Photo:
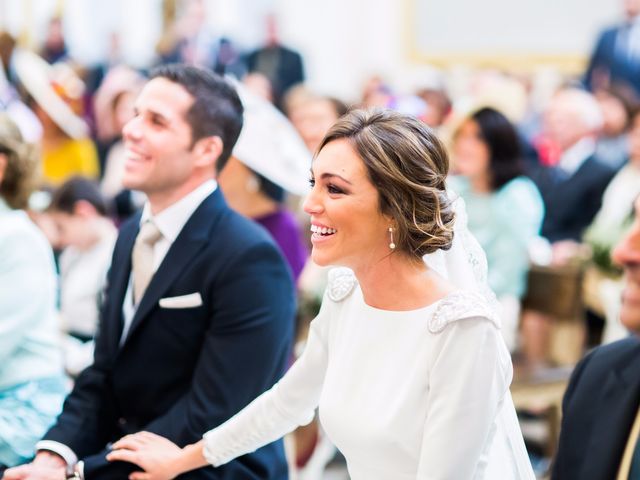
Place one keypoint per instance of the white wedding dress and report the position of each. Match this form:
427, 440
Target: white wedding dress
421, 394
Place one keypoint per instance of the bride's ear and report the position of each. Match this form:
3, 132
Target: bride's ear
3, 165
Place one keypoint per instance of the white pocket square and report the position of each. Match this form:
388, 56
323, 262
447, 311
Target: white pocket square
183, 301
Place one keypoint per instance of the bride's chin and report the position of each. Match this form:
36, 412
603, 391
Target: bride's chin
320, 259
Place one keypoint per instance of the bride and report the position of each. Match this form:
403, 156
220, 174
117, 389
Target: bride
405, 359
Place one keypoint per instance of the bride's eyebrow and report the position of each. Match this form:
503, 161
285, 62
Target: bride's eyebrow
329, 176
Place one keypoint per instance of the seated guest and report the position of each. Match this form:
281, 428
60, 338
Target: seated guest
87, 236
55, 95
313, 116
32, 384
268, 161
612, 145
603, 281
113, 107
572, 183
504, 207
601, 420
199, 304
617, 204
572, 190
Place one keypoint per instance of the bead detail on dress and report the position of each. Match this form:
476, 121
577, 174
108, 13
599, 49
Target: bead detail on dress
461, 305
341, 283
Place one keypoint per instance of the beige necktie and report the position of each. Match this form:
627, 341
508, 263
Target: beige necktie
627, 456
142, 259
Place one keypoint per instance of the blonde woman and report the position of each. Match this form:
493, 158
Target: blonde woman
32, 384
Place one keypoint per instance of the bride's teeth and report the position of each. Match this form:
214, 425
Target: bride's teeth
322, 230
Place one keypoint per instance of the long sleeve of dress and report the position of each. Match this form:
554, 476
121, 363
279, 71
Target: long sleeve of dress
470, 374
287, 405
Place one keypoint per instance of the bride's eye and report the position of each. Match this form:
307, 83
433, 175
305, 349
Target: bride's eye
333, 189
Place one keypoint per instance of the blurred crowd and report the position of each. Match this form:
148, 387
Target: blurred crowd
549, 171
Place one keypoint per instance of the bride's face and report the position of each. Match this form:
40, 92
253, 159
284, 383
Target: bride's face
348, 227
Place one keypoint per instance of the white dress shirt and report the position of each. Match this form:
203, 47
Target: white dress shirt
170, 222
628, 40
573, 158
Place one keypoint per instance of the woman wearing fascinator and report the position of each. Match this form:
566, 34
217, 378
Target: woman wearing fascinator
405, 359
268, 163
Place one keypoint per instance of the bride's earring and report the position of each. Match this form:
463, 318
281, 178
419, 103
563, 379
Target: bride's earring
392, 245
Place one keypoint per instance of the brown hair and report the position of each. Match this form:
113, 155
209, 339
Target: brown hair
21, 175
408, 165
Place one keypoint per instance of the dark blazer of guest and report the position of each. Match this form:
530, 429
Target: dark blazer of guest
599, 409
183, 371
610, 65
571, 202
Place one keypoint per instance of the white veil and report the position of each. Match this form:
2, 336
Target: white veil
465, 263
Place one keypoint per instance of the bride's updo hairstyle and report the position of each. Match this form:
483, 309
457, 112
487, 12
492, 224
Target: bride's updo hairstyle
408, 166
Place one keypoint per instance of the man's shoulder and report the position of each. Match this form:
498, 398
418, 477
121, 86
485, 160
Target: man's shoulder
616, 352
609, 33
595, 162
241, 231
601, 360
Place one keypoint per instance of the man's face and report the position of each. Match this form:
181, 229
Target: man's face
562, 123
160, 159
631, 8
627, 254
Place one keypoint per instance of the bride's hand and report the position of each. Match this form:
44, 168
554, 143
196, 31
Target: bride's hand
156, 455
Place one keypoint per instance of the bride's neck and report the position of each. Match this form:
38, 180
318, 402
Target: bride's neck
398, 283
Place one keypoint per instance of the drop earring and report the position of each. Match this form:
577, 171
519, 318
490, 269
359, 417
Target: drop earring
392, 245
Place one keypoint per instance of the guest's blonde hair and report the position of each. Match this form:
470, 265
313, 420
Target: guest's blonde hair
22, 172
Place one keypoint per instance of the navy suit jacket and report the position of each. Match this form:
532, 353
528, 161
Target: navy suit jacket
184, 371
611, 65
571, 202
599, 408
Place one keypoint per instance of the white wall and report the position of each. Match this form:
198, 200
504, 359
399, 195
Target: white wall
343, 41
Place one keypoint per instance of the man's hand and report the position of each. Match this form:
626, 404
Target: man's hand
46, 466
156, 455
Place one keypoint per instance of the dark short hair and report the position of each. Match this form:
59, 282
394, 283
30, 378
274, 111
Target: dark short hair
74, 190
216, 109
503, 142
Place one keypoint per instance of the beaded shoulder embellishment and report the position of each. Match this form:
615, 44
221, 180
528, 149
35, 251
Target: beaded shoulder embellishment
342, 281
461, 305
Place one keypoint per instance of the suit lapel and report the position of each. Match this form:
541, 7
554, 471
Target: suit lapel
617, 409
121, 271
191, 240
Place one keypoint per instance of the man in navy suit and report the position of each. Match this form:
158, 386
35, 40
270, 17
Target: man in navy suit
572, 190
601, 420
615, 61
181, 350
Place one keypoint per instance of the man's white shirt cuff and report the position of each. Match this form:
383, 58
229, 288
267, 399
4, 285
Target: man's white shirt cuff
61, 449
